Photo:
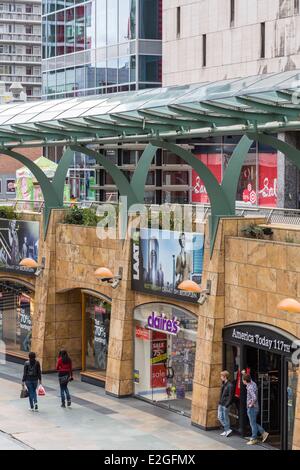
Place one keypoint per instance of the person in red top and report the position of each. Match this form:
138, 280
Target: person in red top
65, 375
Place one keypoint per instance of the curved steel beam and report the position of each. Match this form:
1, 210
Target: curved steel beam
50, 196
233, 171
290, 152
139, 178
59, 179
220, 207
117, 175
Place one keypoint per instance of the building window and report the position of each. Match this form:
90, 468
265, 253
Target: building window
178, 22
29, 71
263, 40
28, 29
204, 47
232, 12
29, 50
296, 7
29, 91
28, 8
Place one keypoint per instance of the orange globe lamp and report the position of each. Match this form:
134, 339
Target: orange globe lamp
28, 263
190, 286
104, 273
289, 305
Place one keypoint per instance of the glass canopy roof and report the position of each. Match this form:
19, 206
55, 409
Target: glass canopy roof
266, 102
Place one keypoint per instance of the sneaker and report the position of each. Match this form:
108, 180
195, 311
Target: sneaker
228, 433
63, 405
265, 436
223, 433
252, 442
69, 403
30, 409
36, 408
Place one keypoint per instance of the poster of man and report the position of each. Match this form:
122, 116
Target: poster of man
18, 240
161, 260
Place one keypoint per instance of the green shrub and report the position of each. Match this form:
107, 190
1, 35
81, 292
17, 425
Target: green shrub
257, 232
77, 216
8, 212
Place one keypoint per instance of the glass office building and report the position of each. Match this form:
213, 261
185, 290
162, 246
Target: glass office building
100, 46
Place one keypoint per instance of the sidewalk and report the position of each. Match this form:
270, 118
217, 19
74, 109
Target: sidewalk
96, 421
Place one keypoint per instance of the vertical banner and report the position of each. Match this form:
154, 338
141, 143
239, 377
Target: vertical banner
101, 337
25, 324
268, 177
159, 358
214, 164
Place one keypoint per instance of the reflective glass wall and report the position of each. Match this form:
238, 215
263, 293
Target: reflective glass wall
100, 46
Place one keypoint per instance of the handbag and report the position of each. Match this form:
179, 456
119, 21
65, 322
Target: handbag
64, 380
41, 391
24, 393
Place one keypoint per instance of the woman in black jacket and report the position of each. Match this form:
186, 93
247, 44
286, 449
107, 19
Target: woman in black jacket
32, 376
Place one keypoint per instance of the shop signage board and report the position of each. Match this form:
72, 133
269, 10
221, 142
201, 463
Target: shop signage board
159, 322
162, 259
25, 324
259, 337
18, 240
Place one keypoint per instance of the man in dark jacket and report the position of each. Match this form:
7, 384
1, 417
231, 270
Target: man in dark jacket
31, 377
225, 402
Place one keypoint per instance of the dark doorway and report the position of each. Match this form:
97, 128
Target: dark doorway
266, 370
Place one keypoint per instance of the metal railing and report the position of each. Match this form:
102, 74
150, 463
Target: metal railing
272, 215
20, 58
29, 17
20, 37
21, 78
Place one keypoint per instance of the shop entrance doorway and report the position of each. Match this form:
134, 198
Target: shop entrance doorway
266, 370
266, 353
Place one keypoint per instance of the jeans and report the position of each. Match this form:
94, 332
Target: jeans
256, 428
223, 417
31, 387
64, 393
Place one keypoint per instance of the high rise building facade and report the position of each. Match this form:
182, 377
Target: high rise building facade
20, 45
100, 46
212, 40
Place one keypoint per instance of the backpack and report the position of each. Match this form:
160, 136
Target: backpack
32, 370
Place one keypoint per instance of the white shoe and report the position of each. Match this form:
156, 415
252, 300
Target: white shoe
223, 433
30, 409
228, 433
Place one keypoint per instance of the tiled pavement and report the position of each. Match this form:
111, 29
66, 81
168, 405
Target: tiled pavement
96, 421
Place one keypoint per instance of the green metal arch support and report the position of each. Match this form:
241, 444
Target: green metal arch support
139, 178
220, 206
50, 196
290, 152
119, 178
59, 179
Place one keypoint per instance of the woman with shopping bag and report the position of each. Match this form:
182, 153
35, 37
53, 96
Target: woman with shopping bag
32, 376
65, 375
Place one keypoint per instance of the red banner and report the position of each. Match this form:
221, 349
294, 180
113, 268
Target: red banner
213, 162
159, 376
268, 174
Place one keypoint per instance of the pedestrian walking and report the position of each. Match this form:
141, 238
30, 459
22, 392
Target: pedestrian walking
65, 375
253, 410
226, 398
32, 376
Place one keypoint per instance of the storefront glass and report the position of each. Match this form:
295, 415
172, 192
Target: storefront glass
97, 323
265, 353
16, 312
258, 180
165, 348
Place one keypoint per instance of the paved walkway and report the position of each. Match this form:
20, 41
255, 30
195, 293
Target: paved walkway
95, 421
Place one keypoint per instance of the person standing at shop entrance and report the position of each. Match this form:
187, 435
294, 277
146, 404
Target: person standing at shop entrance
32, 375
65, 375
253, 410
225, 402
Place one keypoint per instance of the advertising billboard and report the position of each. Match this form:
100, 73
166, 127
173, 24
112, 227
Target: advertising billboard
162, 259
18, 240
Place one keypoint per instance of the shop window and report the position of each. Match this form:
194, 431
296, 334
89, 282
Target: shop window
97, 325
164, 362
213, 161
16, 311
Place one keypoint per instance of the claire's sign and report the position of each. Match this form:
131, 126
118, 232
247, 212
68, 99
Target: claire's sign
159, 322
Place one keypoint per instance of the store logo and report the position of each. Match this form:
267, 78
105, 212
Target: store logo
161, 323
136, 262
